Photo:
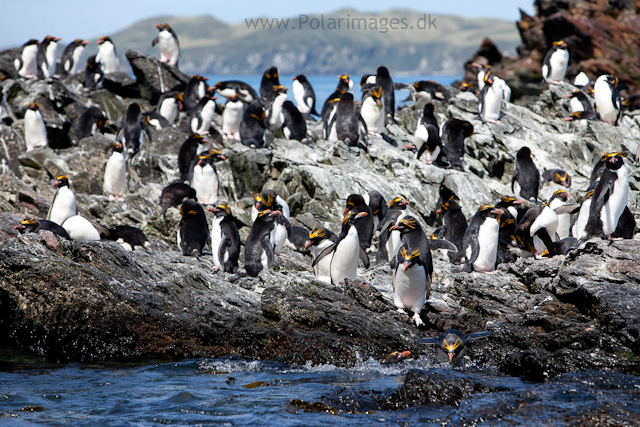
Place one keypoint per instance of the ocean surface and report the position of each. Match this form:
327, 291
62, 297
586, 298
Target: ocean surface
325, 85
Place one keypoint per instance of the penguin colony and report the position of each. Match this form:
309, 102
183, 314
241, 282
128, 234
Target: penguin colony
518, 225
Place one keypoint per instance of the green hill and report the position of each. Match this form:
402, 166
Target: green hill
211, 46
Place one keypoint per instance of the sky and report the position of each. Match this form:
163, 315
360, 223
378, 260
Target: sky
87, 19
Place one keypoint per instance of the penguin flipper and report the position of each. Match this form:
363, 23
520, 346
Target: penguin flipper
475, 249
435, 244
546, 239
324, 253
440, 232
429, 340
364, 257
155, 41
477, 335
607, 189
516, 176
569, 208
332, 122
364, 124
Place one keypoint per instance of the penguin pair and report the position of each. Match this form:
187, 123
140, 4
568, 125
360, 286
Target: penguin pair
134, 129
426, 140
128, 237
26, 63
188, 153
70, 58
63, 205
115, 174
454, 226
167, 41
526, 177
232, 117
236, 88
372, 110
204, 178
107, 56
91, 121
321, 238
452, 344
201, 115
346, 121
269, 200
345, 251
252, 129
193, 230
389, 242
35, 130
304, 95
169, 106
608, 100
225, 240
480, 242
555, 63
33, 225
258, 249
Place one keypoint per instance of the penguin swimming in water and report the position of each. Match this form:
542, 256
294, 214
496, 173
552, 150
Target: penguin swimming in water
107, 56
557, 176
557, 200
243, 91
490, 100
63, 205
304, 95
47, 57
372, 110
194, 91
193, 230
128, 237
93, 75
378, 206
35, 130
356, 204
320, 239
270, 79
346, 121
390, 241
346, 250
454, 225
454, 132
201, 116
115, 174
273, 107
33, 225
203, 176
232, 117
294, 125
173, 195
413, 269
258, 249
71, 57
555, 63
81, 229
608, 100
526, 178
91, 121
452, 344
480, 243
26, 63
536, 231
187, 154
384, 80
225, 240
133, 128
253, 128
169, 44
169, 106
579, 101
609, 198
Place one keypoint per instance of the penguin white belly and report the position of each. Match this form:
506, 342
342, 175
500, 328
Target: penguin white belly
579, 228
575, 105
430, 156
51, 58
372, 115
564, 224
63, 207
286, 212
179, 239
264, 260
231, 118
169, 50
581, 79
492, 103
394, 241
512, 209
80, 229
227, 92
298, 95
216, 239
559, 61
275, 116
35, 131
548, 220
488, 245
411, 287
205, 182
613, 208
115, 175
604, 100
506, 91
77, 53
333, 132
202, 90
516, 190
286, 132
169, 110
322, 269
29, 61
207, 116
344, 263
421, 135
279, 237
107, 57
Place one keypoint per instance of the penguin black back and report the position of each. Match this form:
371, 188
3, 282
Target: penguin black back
454, 132
294, 123
356, 204
253, 127
93, 74
174, 193
132, 125
228, 248
33, 225
556, 175
384, 80
526, 177
194, 91
428, 117
378, 205
258, 250
454, 223
90, 117
346, 120
187, 153
193, 230
131, 235
270, 79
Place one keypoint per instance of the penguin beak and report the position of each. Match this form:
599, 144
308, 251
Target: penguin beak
158, 26
497, 211
213, 209
293, 78
439, 211
221, 157
257, 205
19, 227
519, 202
406, 265
346, 210
361, 214
275, 213
404, 203
451, 357
200, 162
307, 245
85, 42
394, 227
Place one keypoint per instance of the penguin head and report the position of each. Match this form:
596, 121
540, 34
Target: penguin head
162, 27
506, 220
448, 205
210, 156
351, 218
301, 78
612, 80
524, 152
220, 210
508, 201
573, 94
61, 181
256, 111
406, 225
190, 208
31, 42
353, 200
27, 225
266, 200
614, 161
488, 211
396, 356
272, 73
117, 147
81, 42
376, 94
50, 39
560, 194
317, 235
268, 215
409, 259
398, 203
452, 343
560, 44
577, 115
344, 78
562, 178
428, 109
466, 87
488, 78
104, 39
33, 106
279, 89
382, 71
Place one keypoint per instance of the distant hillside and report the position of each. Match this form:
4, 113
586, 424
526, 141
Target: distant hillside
211, 46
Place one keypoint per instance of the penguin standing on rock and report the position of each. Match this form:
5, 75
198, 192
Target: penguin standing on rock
134, 129
232, 117
557, 200
356, 204
346, 251
608, 100
579, 101
269, 200
169, 106
536, 231
47, 57
579, 225
480, 243
273, 107
454, 225
270, 79
452, 344
390, 241
526, 178
372, 110
107, 56
195, 90
225, 240
169, 45
320, 239
253, 128
64, 202
384, 80
187, 154
304, 95
201, 116
173, 195
454, 132
71, 57
91, 121
93, 74
193, 230
483, 72
258, 249
378, 206
27, 61
555, 63
35, 130
346, 121
490, 100
609, 198
294, 125
115, 174
203, 176
33, 225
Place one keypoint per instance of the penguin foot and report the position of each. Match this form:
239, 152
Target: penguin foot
417, 319
215, 269
163, 60
401, 310
111, 197
492, 121
121, 198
